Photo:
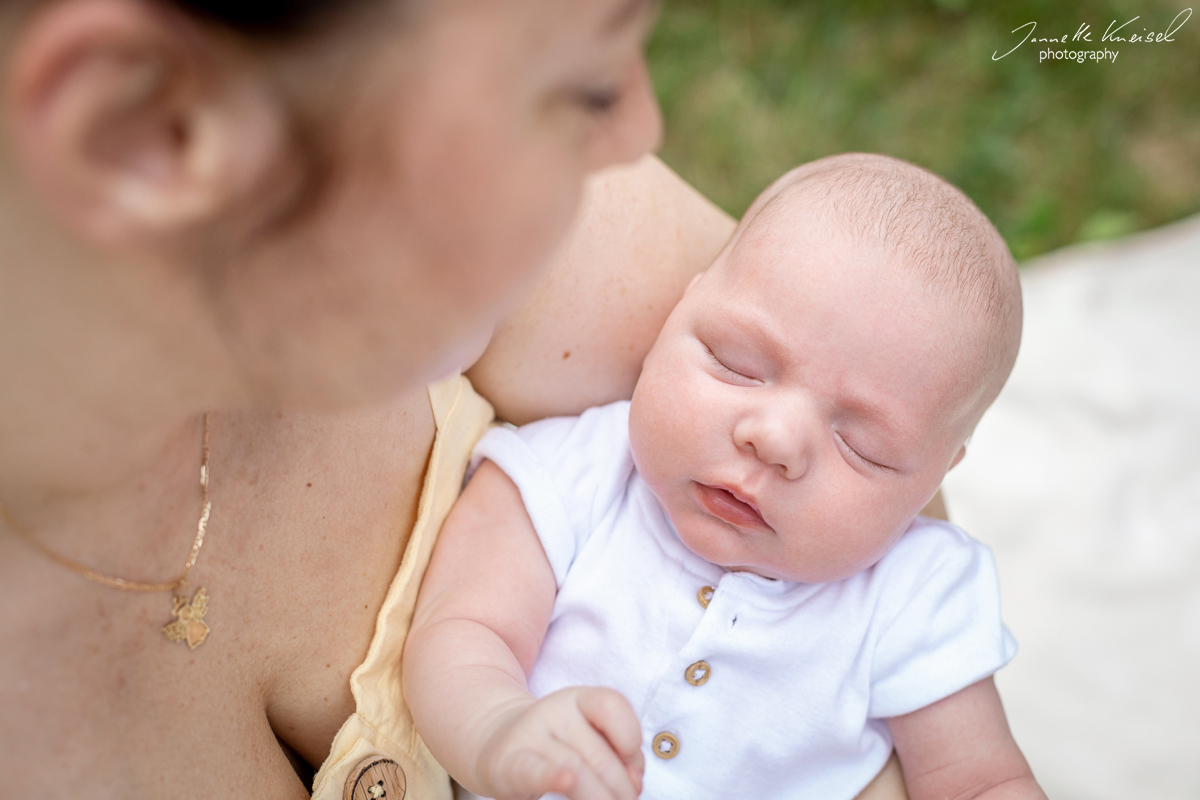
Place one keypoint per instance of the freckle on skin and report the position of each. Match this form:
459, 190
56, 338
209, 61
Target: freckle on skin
566, 354
309, 485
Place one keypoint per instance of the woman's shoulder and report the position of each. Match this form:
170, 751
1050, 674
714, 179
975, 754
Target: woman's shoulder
643, 233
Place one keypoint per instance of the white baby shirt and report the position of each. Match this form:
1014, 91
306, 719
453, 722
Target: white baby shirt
766, 689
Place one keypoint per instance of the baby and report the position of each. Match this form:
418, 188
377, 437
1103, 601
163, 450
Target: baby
722, 589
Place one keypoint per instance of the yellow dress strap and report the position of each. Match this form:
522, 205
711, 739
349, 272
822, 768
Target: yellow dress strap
444, 394
379, 745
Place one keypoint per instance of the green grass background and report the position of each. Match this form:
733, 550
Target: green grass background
1054, 153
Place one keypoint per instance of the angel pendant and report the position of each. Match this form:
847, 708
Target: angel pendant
189, 625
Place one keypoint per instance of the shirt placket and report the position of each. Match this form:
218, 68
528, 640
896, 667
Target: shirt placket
672, 725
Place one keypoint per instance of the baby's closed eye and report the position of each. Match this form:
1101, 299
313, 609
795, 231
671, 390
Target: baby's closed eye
737, 375
854, 453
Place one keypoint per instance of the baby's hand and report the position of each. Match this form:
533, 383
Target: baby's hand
584, 742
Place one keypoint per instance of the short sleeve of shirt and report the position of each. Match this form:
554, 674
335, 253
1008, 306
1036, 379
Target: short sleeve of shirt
571, 471
941, 629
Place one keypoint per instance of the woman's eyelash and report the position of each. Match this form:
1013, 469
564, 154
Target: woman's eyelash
598, 101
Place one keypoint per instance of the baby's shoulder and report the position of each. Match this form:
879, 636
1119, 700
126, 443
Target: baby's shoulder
579, 465
583, 448
931, 546
596, 429
934, 572
929, 533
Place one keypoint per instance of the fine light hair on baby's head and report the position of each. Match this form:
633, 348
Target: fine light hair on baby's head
929, 224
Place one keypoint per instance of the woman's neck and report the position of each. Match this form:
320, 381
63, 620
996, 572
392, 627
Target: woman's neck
97, 364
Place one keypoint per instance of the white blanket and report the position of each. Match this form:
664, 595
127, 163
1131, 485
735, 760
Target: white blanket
1085, 480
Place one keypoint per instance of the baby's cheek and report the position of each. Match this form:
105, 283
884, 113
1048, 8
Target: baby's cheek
647, 435
659, 413
824, 548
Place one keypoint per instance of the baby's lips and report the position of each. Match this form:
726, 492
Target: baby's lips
731, 506
744, 497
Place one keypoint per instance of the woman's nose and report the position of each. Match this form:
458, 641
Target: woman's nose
777, 437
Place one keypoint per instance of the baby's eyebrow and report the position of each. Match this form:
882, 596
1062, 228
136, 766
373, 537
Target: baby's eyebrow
865, 408
746, 322
877, 415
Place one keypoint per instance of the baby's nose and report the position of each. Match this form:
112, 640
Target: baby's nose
778, 439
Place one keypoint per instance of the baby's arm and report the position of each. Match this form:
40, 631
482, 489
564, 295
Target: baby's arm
483, 610
961, 747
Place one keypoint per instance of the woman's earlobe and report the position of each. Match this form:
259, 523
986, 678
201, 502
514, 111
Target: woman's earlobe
131, 132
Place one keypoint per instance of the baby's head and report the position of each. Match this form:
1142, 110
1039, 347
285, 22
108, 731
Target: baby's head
813, 387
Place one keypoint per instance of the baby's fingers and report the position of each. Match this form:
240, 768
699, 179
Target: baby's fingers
532, 773
598, 711
554, 767
610, 713
614, 718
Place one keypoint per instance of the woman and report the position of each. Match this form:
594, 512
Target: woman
311, 206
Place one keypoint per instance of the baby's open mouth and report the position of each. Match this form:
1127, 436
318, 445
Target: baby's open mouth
725, 505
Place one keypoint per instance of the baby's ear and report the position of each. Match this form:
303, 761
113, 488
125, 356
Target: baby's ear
962, 451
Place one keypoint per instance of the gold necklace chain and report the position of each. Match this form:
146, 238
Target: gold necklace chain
188, 626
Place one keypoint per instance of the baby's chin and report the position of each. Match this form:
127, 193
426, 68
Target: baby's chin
800, 576
770, 572
830, 571
717, 544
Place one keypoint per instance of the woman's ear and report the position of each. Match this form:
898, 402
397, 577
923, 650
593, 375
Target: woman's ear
134, 123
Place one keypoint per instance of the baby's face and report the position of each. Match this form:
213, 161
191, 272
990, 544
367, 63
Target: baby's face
802, 404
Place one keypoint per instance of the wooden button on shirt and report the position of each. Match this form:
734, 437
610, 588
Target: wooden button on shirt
376, 778
705, 595
697, 674
665, 745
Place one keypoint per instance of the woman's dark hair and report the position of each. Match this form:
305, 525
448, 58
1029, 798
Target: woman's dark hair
266, 17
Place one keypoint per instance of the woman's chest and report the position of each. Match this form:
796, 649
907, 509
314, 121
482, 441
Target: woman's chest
309, 521
98, 703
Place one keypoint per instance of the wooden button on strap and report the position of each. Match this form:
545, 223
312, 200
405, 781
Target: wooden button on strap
376, 778
705, 595
697, 674
665, 745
